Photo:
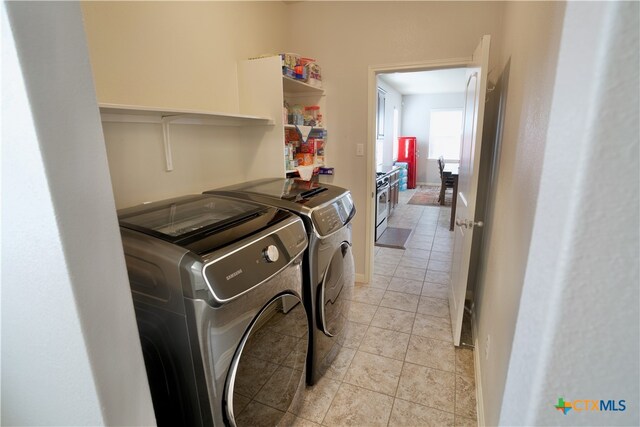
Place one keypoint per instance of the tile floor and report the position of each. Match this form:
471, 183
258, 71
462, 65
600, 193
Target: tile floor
399, 366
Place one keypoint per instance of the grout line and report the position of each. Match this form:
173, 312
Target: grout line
427, 406
436, 221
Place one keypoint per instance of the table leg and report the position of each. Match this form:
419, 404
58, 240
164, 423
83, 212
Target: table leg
454, 200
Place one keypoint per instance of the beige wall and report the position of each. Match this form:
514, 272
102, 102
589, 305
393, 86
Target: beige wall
184, 56
578, 308
348, 37
204, 157
71, 353
180, 55
530, 40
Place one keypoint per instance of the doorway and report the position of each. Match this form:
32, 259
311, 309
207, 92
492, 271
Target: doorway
454, 249
402, 99
427, 105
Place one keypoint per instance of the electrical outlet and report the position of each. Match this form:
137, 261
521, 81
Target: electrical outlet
486, 347
360, 150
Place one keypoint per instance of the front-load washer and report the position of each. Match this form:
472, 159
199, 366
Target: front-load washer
217, 286
328, 267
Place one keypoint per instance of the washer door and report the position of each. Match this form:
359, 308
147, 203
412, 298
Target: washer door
267, 372
335, 291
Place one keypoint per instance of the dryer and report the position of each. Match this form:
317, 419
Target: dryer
216, 285
329, 272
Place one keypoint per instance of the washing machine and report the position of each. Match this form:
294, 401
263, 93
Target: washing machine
328, 267
217, 287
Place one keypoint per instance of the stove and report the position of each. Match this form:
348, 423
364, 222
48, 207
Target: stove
381, 180
382, 202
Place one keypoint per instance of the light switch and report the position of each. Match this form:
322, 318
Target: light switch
360, 150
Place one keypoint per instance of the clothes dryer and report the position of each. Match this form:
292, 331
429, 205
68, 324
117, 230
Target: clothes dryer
328, 267
216, 286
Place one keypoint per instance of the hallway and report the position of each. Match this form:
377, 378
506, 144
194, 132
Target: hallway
399, 366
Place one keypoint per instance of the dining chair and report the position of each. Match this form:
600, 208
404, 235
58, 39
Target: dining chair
446, 181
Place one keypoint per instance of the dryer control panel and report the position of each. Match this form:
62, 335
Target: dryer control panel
330, 218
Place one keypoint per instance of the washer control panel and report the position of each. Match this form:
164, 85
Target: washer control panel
271, 253
236, 269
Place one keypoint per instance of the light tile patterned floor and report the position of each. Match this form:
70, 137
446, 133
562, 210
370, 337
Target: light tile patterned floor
399, 366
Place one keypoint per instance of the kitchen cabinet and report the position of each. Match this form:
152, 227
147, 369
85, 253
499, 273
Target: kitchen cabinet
263, 90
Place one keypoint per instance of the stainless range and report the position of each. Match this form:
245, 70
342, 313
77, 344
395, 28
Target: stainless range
382, 202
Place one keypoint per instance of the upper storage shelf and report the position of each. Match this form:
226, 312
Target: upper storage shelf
141, 114
299, 87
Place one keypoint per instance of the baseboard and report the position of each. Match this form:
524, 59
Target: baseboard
476, 369
360, 278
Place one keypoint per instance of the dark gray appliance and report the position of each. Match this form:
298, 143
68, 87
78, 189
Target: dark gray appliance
382, 203
329, 272
217, 285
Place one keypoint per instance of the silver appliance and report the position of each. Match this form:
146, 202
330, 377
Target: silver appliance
382, 203
217, 286
329, 272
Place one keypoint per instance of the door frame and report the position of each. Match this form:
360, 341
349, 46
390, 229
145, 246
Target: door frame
373, 72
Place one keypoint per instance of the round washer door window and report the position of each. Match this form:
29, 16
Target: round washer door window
266, 377
335, 291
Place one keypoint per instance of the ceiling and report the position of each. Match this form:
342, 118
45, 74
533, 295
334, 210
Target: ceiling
427, 82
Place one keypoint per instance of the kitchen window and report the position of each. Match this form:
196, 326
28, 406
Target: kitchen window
445, 134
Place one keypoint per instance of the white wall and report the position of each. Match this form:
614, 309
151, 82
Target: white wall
530, 41
417, 121
579, 304
393, 99
70, 348
348, 37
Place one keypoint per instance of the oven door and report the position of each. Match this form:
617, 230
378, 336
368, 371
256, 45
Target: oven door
382, 204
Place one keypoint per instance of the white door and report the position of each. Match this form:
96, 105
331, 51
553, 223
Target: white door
468, 182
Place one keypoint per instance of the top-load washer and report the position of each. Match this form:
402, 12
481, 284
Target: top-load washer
217, 285
328, 267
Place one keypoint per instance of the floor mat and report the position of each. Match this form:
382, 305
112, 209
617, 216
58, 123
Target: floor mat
427, 195
394, 238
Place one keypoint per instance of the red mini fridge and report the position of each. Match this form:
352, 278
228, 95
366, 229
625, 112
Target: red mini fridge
408, 152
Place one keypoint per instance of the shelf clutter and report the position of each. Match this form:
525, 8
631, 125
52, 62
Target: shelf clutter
303, 69
404, 168
305, 135
301, 151
301, 115
302, 102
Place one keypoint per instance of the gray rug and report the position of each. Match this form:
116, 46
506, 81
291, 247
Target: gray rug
394, 238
